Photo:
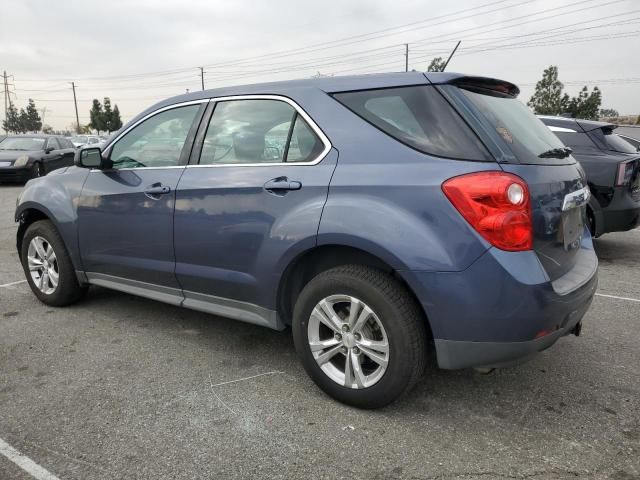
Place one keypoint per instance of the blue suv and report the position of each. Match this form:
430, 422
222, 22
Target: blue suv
381, 217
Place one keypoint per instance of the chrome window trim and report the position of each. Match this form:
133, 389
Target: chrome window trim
312, 124
155, 112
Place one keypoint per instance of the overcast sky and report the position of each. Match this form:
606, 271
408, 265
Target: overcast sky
140, 51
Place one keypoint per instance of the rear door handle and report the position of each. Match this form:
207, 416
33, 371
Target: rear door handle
155, 190
281, 184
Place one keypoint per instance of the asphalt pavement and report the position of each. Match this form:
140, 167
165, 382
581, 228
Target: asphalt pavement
119, 387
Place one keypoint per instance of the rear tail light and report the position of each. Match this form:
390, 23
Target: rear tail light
625, 173
497, 205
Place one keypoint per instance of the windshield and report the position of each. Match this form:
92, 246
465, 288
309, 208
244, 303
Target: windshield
79, 139
22, 143
527, 137
610, 141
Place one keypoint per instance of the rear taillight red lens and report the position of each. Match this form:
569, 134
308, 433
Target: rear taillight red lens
497, 205
625, 173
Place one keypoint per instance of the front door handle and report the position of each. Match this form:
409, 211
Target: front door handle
282, 184
156, 190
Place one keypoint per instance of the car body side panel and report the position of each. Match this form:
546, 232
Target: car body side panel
56, 195
122, 231
231, 235
386, 197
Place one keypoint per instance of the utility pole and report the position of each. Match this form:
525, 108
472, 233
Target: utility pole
406, 57
448, 59
6, 96
75, 102
43, 110
202, 76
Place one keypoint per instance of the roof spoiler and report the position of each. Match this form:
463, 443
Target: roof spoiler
486, 85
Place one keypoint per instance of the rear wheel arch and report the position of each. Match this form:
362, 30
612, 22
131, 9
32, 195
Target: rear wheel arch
319, 259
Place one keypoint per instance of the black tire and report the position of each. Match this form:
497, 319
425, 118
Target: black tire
68, 290
591, 222
36, 170
400, 316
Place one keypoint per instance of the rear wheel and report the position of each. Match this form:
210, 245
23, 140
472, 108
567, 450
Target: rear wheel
360, 335
48, 267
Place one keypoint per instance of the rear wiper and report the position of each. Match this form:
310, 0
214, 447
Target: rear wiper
556, 153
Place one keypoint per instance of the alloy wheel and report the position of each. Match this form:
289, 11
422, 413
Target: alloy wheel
43, 265
348, 341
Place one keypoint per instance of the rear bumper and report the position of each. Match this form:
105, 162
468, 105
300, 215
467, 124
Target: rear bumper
622, 214
503, 307
454, 354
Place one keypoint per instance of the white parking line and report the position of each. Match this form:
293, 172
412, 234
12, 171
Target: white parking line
618, 298
13, 283
25, 463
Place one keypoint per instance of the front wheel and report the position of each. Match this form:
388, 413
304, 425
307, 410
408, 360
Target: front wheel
48, 267
37, 170
360, 335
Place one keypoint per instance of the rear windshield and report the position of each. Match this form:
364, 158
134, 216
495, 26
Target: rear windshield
610, 141
419, 117
527, 137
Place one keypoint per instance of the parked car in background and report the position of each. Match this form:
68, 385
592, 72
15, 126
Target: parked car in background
612, 166
28, 156
82, 140
452, 220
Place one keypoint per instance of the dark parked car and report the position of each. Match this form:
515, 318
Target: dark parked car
612, 166
28, 156
379, 216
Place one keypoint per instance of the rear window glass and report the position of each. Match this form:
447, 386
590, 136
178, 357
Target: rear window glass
579, 142
610, 141
521, 130
418, 117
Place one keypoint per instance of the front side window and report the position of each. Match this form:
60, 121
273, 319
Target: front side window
419, 117
157, 141
258, 131
53, 143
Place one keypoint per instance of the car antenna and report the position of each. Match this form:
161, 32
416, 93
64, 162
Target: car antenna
449, 59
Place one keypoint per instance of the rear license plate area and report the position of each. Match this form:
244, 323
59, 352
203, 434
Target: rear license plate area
572, 228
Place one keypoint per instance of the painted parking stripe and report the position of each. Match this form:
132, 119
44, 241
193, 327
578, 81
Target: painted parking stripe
25, 463
13, 283
619, 298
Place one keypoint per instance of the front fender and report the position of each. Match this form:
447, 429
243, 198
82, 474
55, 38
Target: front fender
56, 196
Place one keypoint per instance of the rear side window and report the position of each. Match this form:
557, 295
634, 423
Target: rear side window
418, 117
245, 132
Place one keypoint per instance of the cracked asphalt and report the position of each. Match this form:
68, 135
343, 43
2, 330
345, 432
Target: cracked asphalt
119, 387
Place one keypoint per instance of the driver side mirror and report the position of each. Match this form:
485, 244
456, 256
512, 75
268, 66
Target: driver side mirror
89, 158
48, 150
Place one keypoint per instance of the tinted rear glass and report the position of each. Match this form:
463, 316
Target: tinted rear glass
419, 117
610, 141
522, 131
578, 141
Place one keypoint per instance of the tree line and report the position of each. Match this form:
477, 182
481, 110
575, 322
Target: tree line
103, 117
27, 120
23, 121
549, 97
